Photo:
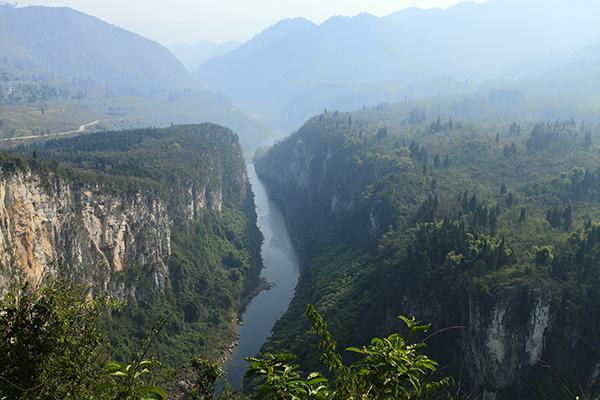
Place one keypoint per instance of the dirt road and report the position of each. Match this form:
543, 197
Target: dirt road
81, 129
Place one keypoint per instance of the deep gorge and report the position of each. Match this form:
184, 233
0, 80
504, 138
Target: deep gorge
382, 235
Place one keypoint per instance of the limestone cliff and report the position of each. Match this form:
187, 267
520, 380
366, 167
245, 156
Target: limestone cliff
161, 218
317, 168
52, 226
498, 340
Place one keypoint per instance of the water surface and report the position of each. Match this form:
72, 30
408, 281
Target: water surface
281, 271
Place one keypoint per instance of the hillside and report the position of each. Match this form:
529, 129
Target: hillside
163, 219
34, 45
469, 41
61, 69
486, 229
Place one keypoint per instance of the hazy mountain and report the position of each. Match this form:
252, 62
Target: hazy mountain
194, 55
51, 43
468, 41
81, 69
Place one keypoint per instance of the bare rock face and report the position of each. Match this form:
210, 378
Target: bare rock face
51, 226
506, 337
499, 339
308, 172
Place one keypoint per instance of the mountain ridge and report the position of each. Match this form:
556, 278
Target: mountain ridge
474, 41
35, 44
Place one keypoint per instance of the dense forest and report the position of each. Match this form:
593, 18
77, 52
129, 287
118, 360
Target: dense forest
486, 229
214, 265
423, 221
67, 339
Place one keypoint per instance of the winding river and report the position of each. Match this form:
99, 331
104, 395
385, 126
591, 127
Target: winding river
281, 271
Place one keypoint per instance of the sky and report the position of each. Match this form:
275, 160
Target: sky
186, 21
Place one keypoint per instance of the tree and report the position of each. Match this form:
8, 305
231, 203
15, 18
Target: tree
493, 221
436, 161
509, 150
587, 141
473, 202
388, 368
543, 255
510, 200
207, 373
553, 216
523, 215
49, 342
568, 217
446, 163
50, 347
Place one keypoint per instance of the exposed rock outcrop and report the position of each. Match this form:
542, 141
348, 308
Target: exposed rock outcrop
50, 225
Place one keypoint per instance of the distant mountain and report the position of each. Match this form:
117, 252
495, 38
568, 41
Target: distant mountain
60, 68
194, 55
61, 43
469, 41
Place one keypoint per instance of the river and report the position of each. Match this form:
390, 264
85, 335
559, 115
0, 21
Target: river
281, 271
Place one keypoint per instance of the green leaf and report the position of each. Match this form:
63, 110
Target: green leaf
153, 393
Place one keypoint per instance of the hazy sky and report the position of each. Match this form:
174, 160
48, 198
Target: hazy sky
176, 21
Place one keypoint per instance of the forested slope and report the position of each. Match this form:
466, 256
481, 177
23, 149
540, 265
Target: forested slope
162, 219
486, 229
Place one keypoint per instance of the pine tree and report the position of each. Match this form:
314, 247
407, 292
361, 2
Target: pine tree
553, 216
493, 219
465, 201
568, 217
436, 161
473, 202
446, 163
587, 142
510, 200
433, 184
523, 215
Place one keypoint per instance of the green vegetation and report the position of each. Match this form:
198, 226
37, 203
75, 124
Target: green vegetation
215, 248
49, 343
387, 368
402, 213
52, 348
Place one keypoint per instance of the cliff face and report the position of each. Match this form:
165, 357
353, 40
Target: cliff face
161, 218
320, 176
51, 226
340, 193
315, 178
497, 340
